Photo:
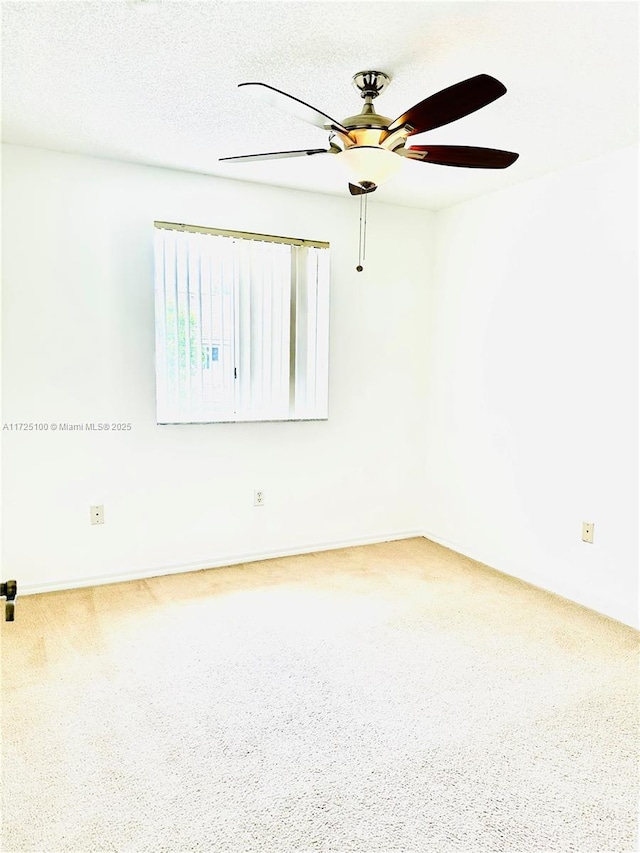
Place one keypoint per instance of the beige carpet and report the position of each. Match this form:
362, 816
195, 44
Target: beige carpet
394, 697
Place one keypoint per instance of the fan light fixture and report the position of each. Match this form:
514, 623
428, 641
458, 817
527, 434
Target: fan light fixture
369, 164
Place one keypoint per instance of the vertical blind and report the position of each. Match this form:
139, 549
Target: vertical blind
242, 326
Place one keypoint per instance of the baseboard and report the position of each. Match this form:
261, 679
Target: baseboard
212, 563
584, 598
588, 600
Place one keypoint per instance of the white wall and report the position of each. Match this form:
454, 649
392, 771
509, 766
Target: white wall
490, 402
532, 392
78, 346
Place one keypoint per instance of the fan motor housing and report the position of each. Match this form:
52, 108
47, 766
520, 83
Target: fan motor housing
368, 118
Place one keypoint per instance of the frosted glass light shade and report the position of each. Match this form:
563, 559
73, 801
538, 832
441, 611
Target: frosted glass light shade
369, 163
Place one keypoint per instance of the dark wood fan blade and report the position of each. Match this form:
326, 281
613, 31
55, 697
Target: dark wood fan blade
449, 104
296, 107
461, 155
278, 155
354, 189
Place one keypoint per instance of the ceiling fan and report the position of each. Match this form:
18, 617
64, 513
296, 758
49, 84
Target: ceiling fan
372, 146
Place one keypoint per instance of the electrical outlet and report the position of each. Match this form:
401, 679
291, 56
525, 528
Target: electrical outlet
587, 531
258, 497
97, 514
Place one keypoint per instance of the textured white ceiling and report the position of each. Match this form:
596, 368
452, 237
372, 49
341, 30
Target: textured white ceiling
156, 83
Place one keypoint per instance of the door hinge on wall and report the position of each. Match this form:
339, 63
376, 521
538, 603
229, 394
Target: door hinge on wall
9, 590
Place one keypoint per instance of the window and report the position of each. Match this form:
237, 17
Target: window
242, 326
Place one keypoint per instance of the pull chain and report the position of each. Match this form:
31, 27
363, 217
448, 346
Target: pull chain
359, 267
362, 235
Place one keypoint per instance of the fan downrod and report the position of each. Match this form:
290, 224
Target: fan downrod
370, 84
